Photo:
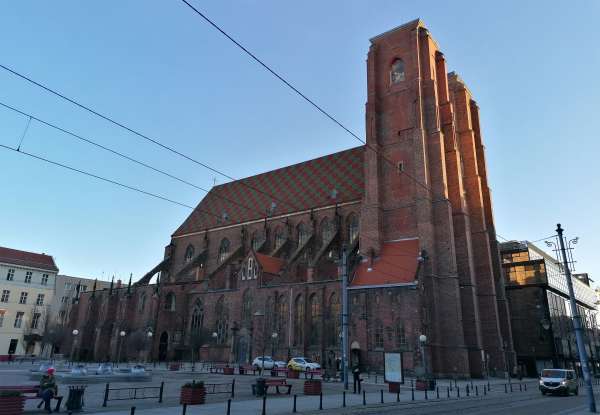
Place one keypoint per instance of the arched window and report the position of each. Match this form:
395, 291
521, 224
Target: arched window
352, 228
223, 249
197, 320
400, 334
142, 303
302, 234
279, 238
315, 319
282, 315
251, 269
334, 319
326, 230
222, 322
170, 302
189, 253
397, 72
257, 240
299, 321
247, 306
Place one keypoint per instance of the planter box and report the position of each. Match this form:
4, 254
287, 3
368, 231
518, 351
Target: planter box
174, 366
421, 385
12, 405
312, 387
293, 374
192, 396
393, 387
228, 370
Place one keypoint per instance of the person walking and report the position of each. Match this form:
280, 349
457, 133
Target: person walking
48, 388
356, 377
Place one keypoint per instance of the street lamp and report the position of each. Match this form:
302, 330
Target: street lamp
422, 341
75, 333
274, 336
149, 336
215, 335
121, 337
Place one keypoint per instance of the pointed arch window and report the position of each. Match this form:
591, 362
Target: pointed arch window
279, 238
334, 319
352, 228
257, 240
197, 320
142, 303
189, 253
247, 306
397, 72
222, 321
302, 234
326, 230
224, 250
170, 302
315, 319
299, 321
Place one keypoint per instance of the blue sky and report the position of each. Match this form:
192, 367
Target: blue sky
155, 66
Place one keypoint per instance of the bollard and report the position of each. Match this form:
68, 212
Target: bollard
458, 391
321, 401
448, 392
381, 393
364, 397
525, 386
505, 391
437, 392
132, 412
471, 384
398, 395
412, 393
476, 391
160, 393
484, 390
489, 385
264, 405
228, 406
468, 390
510, 387
426, 393
343, 399
105, 395
520, 387
184, 410
294, 408
233, 389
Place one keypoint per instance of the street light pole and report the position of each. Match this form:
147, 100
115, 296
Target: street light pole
149, 335
577, 325
345, 316
121, 337
274, 336
74, 346
422, 340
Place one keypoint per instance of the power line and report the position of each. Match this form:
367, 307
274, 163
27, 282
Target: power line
126, 186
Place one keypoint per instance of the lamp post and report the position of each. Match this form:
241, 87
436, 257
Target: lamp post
121, 337
74, 346
215, 335
422, 341
149, 336
274, 336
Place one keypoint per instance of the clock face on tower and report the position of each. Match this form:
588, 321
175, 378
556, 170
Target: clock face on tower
397, 73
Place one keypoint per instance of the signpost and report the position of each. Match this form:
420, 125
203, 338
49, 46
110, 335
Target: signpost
393, 373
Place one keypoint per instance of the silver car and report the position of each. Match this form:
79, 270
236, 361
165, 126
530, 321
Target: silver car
561, 381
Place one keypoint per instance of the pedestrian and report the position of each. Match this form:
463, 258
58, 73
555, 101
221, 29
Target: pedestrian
48, 388
356, 377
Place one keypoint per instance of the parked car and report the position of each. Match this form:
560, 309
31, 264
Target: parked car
266, 362
105, 369
302, 364
561, 381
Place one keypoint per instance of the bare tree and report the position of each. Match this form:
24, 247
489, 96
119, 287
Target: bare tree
138, 342
54, 335
197, 338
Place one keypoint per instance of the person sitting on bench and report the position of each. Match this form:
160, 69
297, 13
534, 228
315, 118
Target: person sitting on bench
48, 388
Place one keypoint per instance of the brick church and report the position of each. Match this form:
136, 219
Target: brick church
255, 268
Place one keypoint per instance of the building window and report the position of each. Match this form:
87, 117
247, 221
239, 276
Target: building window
142, 303
299, 321
222, 323
315, 319
257, 240
189, 253
223, 250
247, 306
5, 295
10, 275
28, 275
251, 269
83, 288
170, 302
44, 279
379, 335
35, 321
397, 73
326, 230
23, 298
302, 234
352, 228
2, 318
40, 299
279, 238
400, 335
334, 319
61, 316
68, 286
197, 321
19, 319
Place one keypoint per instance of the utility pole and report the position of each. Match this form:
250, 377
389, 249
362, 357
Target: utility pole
577, 325
345, 316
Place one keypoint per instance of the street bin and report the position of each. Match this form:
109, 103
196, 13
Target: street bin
260, 386
75, 399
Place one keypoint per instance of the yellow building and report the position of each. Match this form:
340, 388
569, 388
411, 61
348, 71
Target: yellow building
27, 283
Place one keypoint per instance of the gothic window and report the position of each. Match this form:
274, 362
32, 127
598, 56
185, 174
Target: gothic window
400, 334
223, 249
302, 234
379, 335
282, 316
197, 321
299, 321
279, 238
247, 306
315, 319
222, 323
326, 230
334, 319
352, 228
170, 302
257, 240
397, 72
142, 303
251, 269
189, 253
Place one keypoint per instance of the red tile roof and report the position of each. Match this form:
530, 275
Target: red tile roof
302, 186
269, 264
27, 259
397, 264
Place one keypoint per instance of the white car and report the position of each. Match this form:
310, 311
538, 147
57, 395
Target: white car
266, 362
303, 364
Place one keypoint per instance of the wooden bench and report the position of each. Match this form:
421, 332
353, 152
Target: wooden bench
277, 383
313, 373
249, 368
31, 392
277, 371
